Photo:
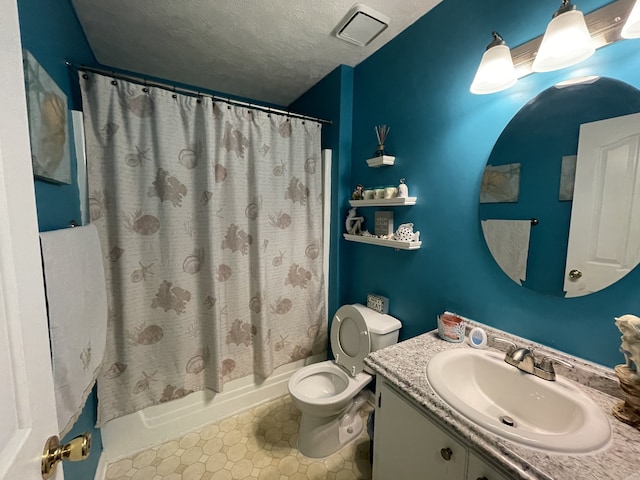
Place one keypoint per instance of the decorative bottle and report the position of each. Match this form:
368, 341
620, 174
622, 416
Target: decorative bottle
403, 190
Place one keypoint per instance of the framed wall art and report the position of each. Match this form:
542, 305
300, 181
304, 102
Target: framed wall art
500, 183
48, 125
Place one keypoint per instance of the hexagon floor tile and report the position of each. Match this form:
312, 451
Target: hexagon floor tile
258, 444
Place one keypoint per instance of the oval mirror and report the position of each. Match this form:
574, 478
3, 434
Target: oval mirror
583, 132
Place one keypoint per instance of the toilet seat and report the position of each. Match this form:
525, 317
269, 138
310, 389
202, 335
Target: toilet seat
350, 339
333, 400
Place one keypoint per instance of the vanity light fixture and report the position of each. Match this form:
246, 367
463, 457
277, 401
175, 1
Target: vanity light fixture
566, 41
496, 71
604, 26
631, 27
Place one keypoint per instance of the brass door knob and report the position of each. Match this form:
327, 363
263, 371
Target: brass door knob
74, 451
446, 453
575, 274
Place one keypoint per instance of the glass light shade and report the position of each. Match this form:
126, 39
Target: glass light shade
496, 71
631, 27
566, 42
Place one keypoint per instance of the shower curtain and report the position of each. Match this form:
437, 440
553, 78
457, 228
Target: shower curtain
210, 218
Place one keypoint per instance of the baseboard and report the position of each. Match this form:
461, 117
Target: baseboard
154, 425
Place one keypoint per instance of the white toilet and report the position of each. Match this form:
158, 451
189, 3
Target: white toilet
327, 393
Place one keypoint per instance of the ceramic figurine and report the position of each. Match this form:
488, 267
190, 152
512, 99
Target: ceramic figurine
358, 193
405, 233
353, 223
403, 190
628, 411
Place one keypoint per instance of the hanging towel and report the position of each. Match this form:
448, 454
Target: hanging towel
508, 241
77, 304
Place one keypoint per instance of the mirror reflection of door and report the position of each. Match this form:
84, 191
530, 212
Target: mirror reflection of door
604, 236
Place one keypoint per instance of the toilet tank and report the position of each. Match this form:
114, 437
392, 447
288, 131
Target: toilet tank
383, 328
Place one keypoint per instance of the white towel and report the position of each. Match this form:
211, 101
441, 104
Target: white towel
508, 241
77, 304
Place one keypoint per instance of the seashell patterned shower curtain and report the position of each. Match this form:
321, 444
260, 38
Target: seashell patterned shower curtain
210, 218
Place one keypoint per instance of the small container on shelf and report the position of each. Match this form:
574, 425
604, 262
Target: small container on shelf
390, 192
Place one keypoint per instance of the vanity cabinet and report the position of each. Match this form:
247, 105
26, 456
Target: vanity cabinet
477, 469
408, 445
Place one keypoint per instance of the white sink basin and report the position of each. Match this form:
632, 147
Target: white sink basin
551, 416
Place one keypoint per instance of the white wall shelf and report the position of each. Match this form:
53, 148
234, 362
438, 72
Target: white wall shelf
384, 202
383, 242
381, 161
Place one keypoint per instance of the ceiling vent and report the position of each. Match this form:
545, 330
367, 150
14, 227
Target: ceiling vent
361, 25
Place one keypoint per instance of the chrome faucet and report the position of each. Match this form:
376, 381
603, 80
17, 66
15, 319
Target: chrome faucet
523, 359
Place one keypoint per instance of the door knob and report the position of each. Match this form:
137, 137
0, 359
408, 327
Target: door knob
575, 274
74, 451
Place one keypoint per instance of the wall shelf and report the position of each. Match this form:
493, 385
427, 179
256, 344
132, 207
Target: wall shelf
384, 202
383, 242
381, 161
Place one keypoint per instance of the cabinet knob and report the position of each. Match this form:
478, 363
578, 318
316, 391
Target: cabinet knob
446, 453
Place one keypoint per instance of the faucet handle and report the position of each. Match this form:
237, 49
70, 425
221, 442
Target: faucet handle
546, 364
512, 345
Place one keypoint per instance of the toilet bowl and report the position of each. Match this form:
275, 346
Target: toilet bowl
328, 393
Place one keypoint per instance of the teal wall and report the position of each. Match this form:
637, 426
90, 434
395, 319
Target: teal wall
332, 99
442, 136
51, 32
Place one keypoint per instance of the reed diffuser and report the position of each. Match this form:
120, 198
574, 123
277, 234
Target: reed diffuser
381, 132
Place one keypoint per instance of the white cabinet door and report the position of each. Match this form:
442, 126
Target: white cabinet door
27, 405
408, 446
479, 470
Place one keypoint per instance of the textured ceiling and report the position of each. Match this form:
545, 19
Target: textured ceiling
267, 50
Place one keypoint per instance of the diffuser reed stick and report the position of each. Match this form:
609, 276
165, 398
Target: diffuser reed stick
381, 132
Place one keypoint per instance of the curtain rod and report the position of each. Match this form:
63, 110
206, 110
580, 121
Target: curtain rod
197, 93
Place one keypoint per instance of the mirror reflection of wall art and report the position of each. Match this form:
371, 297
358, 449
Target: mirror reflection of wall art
567, 177
500, 184
47, 111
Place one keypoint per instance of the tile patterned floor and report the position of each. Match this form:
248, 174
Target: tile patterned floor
258, 444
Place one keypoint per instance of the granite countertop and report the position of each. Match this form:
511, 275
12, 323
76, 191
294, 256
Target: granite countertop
404, 366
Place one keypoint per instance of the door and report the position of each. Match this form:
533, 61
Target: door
408, 446
604, 236
27, 405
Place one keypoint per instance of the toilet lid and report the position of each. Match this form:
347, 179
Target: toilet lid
350, 340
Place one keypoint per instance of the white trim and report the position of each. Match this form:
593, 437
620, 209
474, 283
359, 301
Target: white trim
326, 228
124, 436
101, 469
81, 161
